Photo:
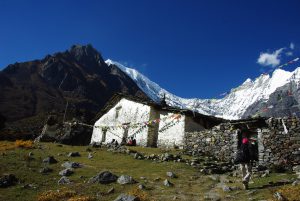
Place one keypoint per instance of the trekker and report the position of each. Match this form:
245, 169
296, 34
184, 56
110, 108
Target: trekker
244, 158
130, 142
134, 142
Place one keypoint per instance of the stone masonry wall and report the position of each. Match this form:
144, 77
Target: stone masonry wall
278, 143
220, 142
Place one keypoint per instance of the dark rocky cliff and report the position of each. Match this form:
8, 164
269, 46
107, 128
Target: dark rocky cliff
30, 91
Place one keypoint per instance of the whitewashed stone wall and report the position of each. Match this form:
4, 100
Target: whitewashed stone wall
124, 112
171, 131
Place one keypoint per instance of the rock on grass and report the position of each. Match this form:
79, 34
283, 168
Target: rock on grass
125, 179
69, 164
73, 154
50, 160
8, 180
104, 177
66, 172
125, 197
64, 180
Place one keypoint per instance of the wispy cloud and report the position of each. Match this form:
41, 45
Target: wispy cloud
292, 46
289, 54
270, 59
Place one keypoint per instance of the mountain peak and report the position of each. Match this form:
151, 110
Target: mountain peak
85, 52
248, 81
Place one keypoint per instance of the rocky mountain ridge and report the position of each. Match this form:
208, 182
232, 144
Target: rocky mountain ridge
76, 83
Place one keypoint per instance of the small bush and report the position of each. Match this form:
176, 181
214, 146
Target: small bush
63, 195
290, 193
82, 198
4, 146
141, 195
24, 143
58, 195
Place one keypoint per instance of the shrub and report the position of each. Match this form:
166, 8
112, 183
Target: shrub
290, 192
24, 143
82, 198
4, 145
141, 195
63, 194
58, 195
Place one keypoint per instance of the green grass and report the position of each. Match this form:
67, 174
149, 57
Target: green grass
190, 184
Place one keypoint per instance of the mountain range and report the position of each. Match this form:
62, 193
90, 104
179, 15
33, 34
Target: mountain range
77, 83
275, 96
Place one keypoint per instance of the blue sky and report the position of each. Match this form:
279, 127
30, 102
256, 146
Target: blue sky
191, 48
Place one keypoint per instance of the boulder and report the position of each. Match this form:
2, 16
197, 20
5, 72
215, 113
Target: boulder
104, 177
278, 196
8, 180
296, 168
45, 170
50, 160
171, 174
296, 182
66, 172
167, 183
125, 197
90, 156
111, 190
73, 154
213, 196
64, 180
125, 179
69, 133
69, 164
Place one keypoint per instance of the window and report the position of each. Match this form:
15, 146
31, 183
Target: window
118, 111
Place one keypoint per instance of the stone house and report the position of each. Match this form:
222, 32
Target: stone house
151, 124
277, 140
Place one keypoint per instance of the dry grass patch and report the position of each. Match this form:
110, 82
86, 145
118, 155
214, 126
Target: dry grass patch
63, 194
24, 144
5, 145
140, 194
290, 193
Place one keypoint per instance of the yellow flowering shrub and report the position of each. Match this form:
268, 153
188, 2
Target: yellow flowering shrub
140, 194
290, 192
24, 143
82, 198
58, 195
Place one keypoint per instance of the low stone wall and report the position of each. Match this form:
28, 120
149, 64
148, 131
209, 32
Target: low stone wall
278, 142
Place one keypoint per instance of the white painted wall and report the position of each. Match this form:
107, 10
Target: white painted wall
173, 135
129, 111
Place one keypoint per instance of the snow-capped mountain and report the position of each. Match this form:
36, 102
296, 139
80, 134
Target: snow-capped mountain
236, 104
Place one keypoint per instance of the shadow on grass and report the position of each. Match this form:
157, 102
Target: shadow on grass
271, 184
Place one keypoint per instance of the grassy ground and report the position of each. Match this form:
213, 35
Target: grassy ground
190, 184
